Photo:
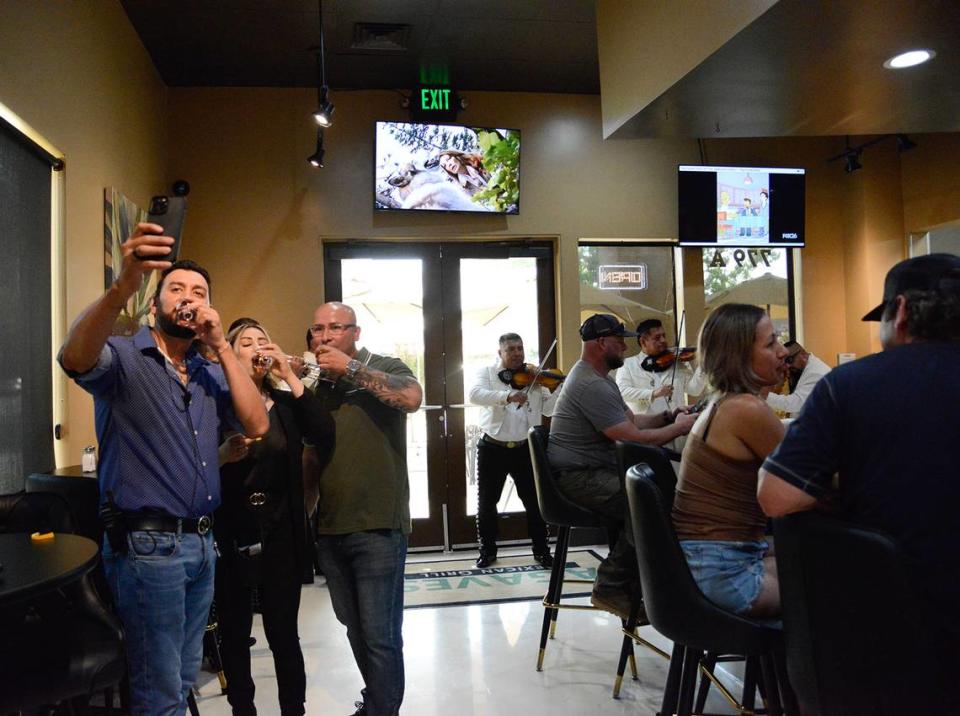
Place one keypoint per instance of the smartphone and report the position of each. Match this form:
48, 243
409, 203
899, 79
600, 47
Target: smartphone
168, 212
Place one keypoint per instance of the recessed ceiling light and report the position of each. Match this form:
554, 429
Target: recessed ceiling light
909, 59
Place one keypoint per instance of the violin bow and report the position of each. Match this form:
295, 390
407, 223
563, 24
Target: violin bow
539, 370
676, 358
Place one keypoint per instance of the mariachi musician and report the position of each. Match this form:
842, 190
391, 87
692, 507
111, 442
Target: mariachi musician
508, 413
654, 381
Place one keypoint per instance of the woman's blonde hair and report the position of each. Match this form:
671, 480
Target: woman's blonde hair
726, 348
233, 335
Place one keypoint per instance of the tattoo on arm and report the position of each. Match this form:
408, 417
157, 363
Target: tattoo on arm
402, 392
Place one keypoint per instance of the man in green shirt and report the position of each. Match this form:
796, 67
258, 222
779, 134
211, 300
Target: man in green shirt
363, 514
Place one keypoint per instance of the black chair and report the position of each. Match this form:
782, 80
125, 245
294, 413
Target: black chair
628, 455
64, 645
677, 609
557, 510
857, 640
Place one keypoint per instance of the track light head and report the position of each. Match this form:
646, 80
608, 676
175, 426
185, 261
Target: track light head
853, 161
324, 114
904, 143
316, 159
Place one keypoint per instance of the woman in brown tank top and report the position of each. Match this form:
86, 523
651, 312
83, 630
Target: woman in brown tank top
718, 520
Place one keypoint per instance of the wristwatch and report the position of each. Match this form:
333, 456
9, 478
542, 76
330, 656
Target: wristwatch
353, 365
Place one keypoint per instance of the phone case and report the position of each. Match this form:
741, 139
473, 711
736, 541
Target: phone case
168, 212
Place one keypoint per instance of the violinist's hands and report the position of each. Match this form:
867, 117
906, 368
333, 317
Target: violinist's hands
332, 360
663, 391
235, 448
519, 397
145, 251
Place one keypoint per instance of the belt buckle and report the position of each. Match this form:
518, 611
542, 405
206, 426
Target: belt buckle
511, 444
203, 525
257, 499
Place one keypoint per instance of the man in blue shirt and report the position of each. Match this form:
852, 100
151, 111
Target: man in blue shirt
159, 405
887, 426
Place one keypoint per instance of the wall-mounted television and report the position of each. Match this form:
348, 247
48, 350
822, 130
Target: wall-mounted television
446, 167
741, 206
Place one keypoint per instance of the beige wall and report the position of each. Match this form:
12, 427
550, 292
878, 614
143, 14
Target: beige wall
258, 211
931, 181
78, 74
647, 46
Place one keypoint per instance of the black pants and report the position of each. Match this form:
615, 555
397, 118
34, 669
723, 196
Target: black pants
279, 603
494, 463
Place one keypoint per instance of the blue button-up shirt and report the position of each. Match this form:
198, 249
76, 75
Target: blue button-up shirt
158, 437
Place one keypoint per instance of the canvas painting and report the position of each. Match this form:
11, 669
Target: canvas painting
120, 216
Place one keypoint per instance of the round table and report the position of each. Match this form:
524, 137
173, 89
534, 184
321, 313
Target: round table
30, 568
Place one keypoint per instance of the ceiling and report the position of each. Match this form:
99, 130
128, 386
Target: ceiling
805, 67
815, 67
501, 45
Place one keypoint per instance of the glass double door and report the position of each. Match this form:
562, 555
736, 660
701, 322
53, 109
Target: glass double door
441, 308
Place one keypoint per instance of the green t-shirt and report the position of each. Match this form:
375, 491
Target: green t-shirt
365, 485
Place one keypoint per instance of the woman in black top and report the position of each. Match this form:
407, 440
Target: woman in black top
261, 526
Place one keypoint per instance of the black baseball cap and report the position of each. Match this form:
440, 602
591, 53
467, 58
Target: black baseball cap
600, 325
921, 273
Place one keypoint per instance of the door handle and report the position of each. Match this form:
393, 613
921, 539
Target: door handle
431, 407
460, 405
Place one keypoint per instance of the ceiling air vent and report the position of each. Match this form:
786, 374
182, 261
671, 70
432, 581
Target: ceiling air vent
380, 37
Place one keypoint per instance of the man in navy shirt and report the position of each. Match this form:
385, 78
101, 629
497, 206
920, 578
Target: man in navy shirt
159, 405
887, 425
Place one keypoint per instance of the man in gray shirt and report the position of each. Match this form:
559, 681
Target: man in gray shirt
590, 416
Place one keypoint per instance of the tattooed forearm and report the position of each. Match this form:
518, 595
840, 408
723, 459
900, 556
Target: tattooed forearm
402, 392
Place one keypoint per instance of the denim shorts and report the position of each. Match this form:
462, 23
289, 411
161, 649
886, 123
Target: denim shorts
730, 574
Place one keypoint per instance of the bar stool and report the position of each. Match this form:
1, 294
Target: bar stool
677, 609
565, 515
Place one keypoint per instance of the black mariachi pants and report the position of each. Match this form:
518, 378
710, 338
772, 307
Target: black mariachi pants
494, 463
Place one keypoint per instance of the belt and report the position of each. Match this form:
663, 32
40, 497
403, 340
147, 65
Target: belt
136, 522
503, 443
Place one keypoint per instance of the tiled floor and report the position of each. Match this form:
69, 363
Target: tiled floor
467, 661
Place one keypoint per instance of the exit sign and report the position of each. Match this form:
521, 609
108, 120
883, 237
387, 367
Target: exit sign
434, 103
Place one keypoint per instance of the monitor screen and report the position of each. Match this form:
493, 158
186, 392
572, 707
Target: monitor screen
741, 206
446, 167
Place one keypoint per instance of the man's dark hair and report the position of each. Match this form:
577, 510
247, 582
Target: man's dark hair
186, 265
747, 200
648, 325
791, 344
932, 315
510, 337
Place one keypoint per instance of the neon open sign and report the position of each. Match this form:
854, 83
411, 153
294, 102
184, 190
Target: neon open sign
632, 277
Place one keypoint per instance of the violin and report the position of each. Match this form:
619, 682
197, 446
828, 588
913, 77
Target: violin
526, 375
665, 360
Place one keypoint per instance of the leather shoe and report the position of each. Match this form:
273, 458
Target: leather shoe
545, 560
485, 560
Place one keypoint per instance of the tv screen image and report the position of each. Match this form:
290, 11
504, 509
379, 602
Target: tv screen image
741, 206
445, 167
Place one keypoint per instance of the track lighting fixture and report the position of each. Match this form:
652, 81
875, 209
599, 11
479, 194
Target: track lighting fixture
851, 155
904, 143
316, 159
324, 113
853, 162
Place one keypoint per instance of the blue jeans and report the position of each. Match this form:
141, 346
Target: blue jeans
364, 572
162, 589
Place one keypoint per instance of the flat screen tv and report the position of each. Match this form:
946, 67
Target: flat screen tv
446, 167
741, 206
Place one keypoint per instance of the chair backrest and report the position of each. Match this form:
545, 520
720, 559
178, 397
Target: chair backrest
555, 508
673, 601
35, 512
630, 453
856, 637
